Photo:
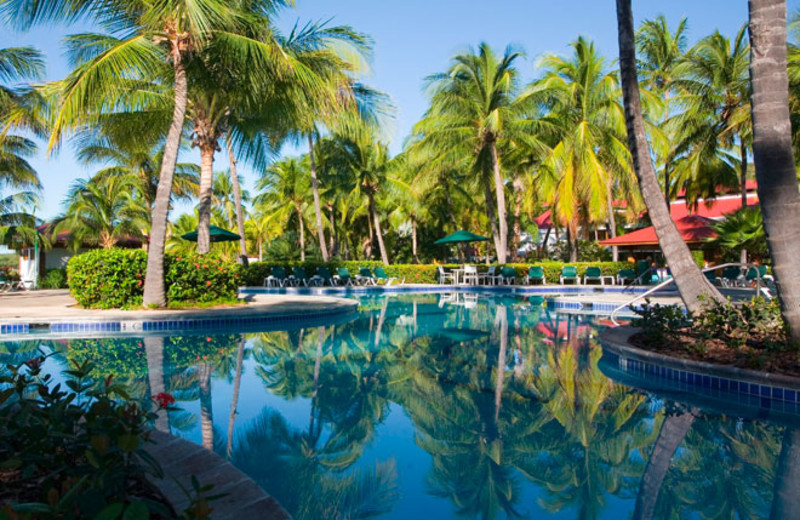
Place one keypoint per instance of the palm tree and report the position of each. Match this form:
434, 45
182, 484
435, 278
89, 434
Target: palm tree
223, 196
691, 283
360, 162
714, 96
772, 151
474, 109
103, 211
284, 188
660, 51
589, 162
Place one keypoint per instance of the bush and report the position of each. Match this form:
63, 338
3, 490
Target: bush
114, 278
419, 273
54, 279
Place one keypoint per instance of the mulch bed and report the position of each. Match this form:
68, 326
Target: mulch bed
715, 351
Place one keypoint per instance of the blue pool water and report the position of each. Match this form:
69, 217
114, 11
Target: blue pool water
454, 406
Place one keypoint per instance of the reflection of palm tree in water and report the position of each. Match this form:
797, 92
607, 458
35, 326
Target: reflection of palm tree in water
206, 414
786, 501
154, 349
237, 381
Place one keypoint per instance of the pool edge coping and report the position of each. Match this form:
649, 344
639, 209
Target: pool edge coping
617, 341
183, 459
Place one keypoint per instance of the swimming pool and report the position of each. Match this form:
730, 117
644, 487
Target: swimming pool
400, 410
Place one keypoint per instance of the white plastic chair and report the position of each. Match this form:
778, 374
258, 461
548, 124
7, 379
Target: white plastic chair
471, 275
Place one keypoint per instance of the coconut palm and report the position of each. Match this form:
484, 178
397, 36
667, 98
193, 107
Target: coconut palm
772, 150
691, 283
285, 186
714, 97
224, 197
103, 211
589, 163
474, 110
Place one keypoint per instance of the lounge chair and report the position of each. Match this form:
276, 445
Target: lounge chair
365, 277
342, 277
380, 275
298, 277
711, 276
322, 277
625, 276
444, 276
593, 274
644, 274
277, 278
508, 275
732, 277
751, 276
569, 273
535, 274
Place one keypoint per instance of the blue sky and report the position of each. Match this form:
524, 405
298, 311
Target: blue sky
414, 38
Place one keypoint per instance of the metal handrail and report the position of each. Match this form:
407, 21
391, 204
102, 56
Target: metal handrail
672, 280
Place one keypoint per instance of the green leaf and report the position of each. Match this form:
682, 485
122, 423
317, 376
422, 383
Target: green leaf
129, 442
110, 512
136, 511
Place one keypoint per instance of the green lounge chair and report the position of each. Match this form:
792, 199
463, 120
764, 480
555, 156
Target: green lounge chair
625, 276
644, 275
732, 277
299, 277
569, 273
711, 276
593, 274
343, 277
380, 275
762, 273
322, 277
508, 275
277, 278
535, 274
365, 277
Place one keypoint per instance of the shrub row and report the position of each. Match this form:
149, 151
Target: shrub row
419, 273
114, 278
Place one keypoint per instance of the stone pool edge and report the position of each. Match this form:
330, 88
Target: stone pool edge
181, 459
616, 340
297, 310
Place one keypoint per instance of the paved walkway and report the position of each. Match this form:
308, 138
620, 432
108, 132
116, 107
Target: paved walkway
48, 305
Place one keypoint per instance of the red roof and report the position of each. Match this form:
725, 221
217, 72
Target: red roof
543, 220
716, 208
692, 228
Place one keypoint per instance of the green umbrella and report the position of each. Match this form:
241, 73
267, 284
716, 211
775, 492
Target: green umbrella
217, 235
461, 236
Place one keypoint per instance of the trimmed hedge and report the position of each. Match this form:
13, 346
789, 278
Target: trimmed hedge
114, 278
420, 273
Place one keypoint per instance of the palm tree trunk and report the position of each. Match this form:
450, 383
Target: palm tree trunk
518, 187
368, 250
317, 209
237, 383
302, 234
743, 173
206, 413
786, 501
237, 199
572, 238
612, 223
204, 206
487, 193
414, 239
502, 318
691, 283
373, 210
500, 192
154, 350
154, 292
673, 431
333, 238
772, 151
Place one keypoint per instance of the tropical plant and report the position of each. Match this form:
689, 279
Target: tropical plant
285, 186
741, 231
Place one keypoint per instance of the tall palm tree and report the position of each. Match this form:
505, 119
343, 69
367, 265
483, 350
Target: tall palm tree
772, 150
474, 108
103, 211
224, 198
691, 283
589, 163
661, 50
714, 96
285, 186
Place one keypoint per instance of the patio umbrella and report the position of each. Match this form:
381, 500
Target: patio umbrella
461, 236
217, 235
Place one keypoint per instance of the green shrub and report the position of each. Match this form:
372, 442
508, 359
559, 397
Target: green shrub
54, 279
419, 273
114, 278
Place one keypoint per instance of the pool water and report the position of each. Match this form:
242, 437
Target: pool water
450, 406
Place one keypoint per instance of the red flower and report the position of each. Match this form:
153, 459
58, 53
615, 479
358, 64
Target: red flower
139, 283
196, 266
208, 282
163, 399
